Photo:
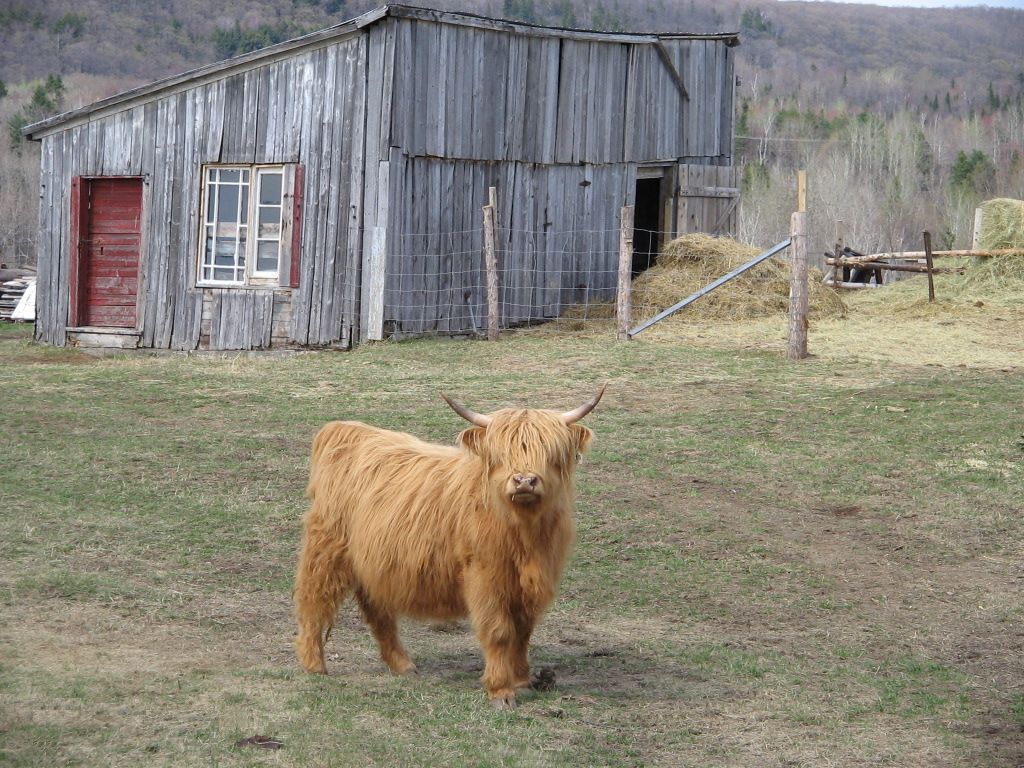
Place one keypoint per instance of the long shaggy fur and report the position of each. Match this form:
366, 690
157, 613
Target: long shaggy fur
414, 529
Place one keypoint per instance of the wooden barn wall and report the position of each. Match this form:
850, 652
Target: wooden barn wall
557, 231
482, 94
308, 108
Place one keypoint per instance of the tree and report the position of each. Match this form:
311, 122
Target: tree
972, 173
47, 98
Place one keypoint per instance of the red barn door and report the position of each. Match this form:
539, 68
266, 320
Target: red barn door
106, 223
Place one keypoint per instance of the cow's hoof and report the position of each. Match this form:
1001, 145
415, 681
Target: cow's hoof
504, 702
404, 668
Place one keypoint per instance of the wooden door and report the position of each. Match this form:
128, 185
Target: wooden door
104, 271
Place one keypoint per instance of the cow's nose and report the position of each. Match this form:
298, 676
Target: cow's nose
526, 482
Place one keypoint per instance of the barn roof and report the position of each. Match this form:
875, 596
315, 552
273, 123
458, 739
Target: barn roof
219, 69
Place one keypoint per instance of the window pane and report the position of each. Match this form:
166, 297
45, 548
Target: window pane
270, 224
270, 189
245, 204
210, 196
224, 255
223, 274
229, 175
266, 256
227, 206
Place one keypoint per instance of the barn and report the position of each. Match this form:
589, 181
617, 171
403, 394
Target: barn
328, 190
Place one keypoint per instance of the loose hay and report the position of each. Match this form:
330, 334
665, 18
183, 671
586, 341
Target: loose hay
691, 262
1002, 224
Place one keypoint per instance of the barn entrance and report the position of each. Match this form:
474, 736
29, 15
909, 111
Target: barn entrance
107, 214
646, 223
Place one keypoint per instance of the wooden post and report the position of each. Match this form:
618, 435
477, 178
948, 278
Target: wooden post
837, 253
928, 261
976, 237
797, 346
491, 261
801, 191
624, 299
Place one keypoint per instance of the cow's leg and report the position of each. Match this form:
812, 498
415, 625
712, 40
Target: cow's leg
385, 630
520, 653
322, 581
496, 630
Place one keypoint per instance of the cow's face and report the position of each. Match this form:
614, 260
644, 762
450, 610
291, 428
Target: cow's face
529, 454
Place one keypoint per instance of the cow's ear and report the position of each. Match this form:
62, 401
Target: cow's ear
581, 437
472, 440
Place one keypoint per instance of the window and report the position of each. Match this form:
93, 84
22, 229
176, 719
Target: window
250, 215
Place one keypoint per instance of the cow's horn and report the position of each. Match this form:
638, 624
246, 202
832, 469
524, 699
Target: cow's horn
471, 416
571, 417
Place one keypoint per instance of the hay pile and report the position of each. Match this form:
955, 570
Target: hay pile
1002, 224
690, 262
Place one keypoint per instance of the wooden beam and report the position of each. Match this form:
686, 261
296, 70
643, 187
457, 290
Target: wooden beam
915, 255
709, 192
673, 72
919, 268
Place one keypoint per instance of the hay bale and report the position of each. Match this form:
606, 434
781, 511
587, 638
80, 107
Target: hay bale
1002, 224
690, 262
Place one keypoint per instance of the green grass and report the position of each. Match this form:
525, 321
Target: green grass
777, 563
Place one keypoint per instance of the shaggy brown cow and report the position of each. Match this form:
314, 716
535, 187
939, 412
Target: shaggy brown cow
436, 532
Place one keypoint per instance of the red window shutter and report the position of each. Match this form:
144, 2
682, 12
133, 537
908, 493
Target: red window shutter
79, 208
295, 273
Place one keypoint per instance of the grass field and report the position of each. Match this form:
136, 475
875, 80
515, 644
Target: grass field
778, 564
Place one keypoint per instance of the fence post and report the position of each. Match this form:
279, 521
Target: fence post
930, 264
837, 250
979, 218
624, 298
797, 347
491, 262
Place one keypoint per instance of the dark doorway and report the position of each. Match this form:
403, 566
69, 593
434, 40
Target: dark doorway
646, 224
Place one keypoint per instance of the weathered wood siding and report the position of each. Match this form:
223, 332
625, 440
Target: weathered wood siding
481, 94
558, 125
307, 108
708, 199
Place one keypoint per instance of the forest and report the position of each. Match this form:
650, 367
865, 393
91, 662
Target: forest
904, 119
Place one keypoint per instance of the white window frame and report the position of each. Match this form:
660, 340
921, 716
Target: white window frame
250, 277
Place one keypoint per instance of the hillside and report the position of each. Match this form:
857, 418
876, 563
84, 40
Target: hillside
904, 118
871, 54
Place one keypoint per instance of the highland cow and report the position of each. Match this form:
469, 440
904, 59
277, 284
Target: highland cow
439, 533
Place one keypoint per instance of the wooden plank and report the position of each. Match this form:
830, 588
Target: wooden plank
354, 131
323, 309
306, 131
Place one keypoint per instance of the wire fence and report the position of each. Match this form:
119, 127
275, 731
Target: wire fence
566, 281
